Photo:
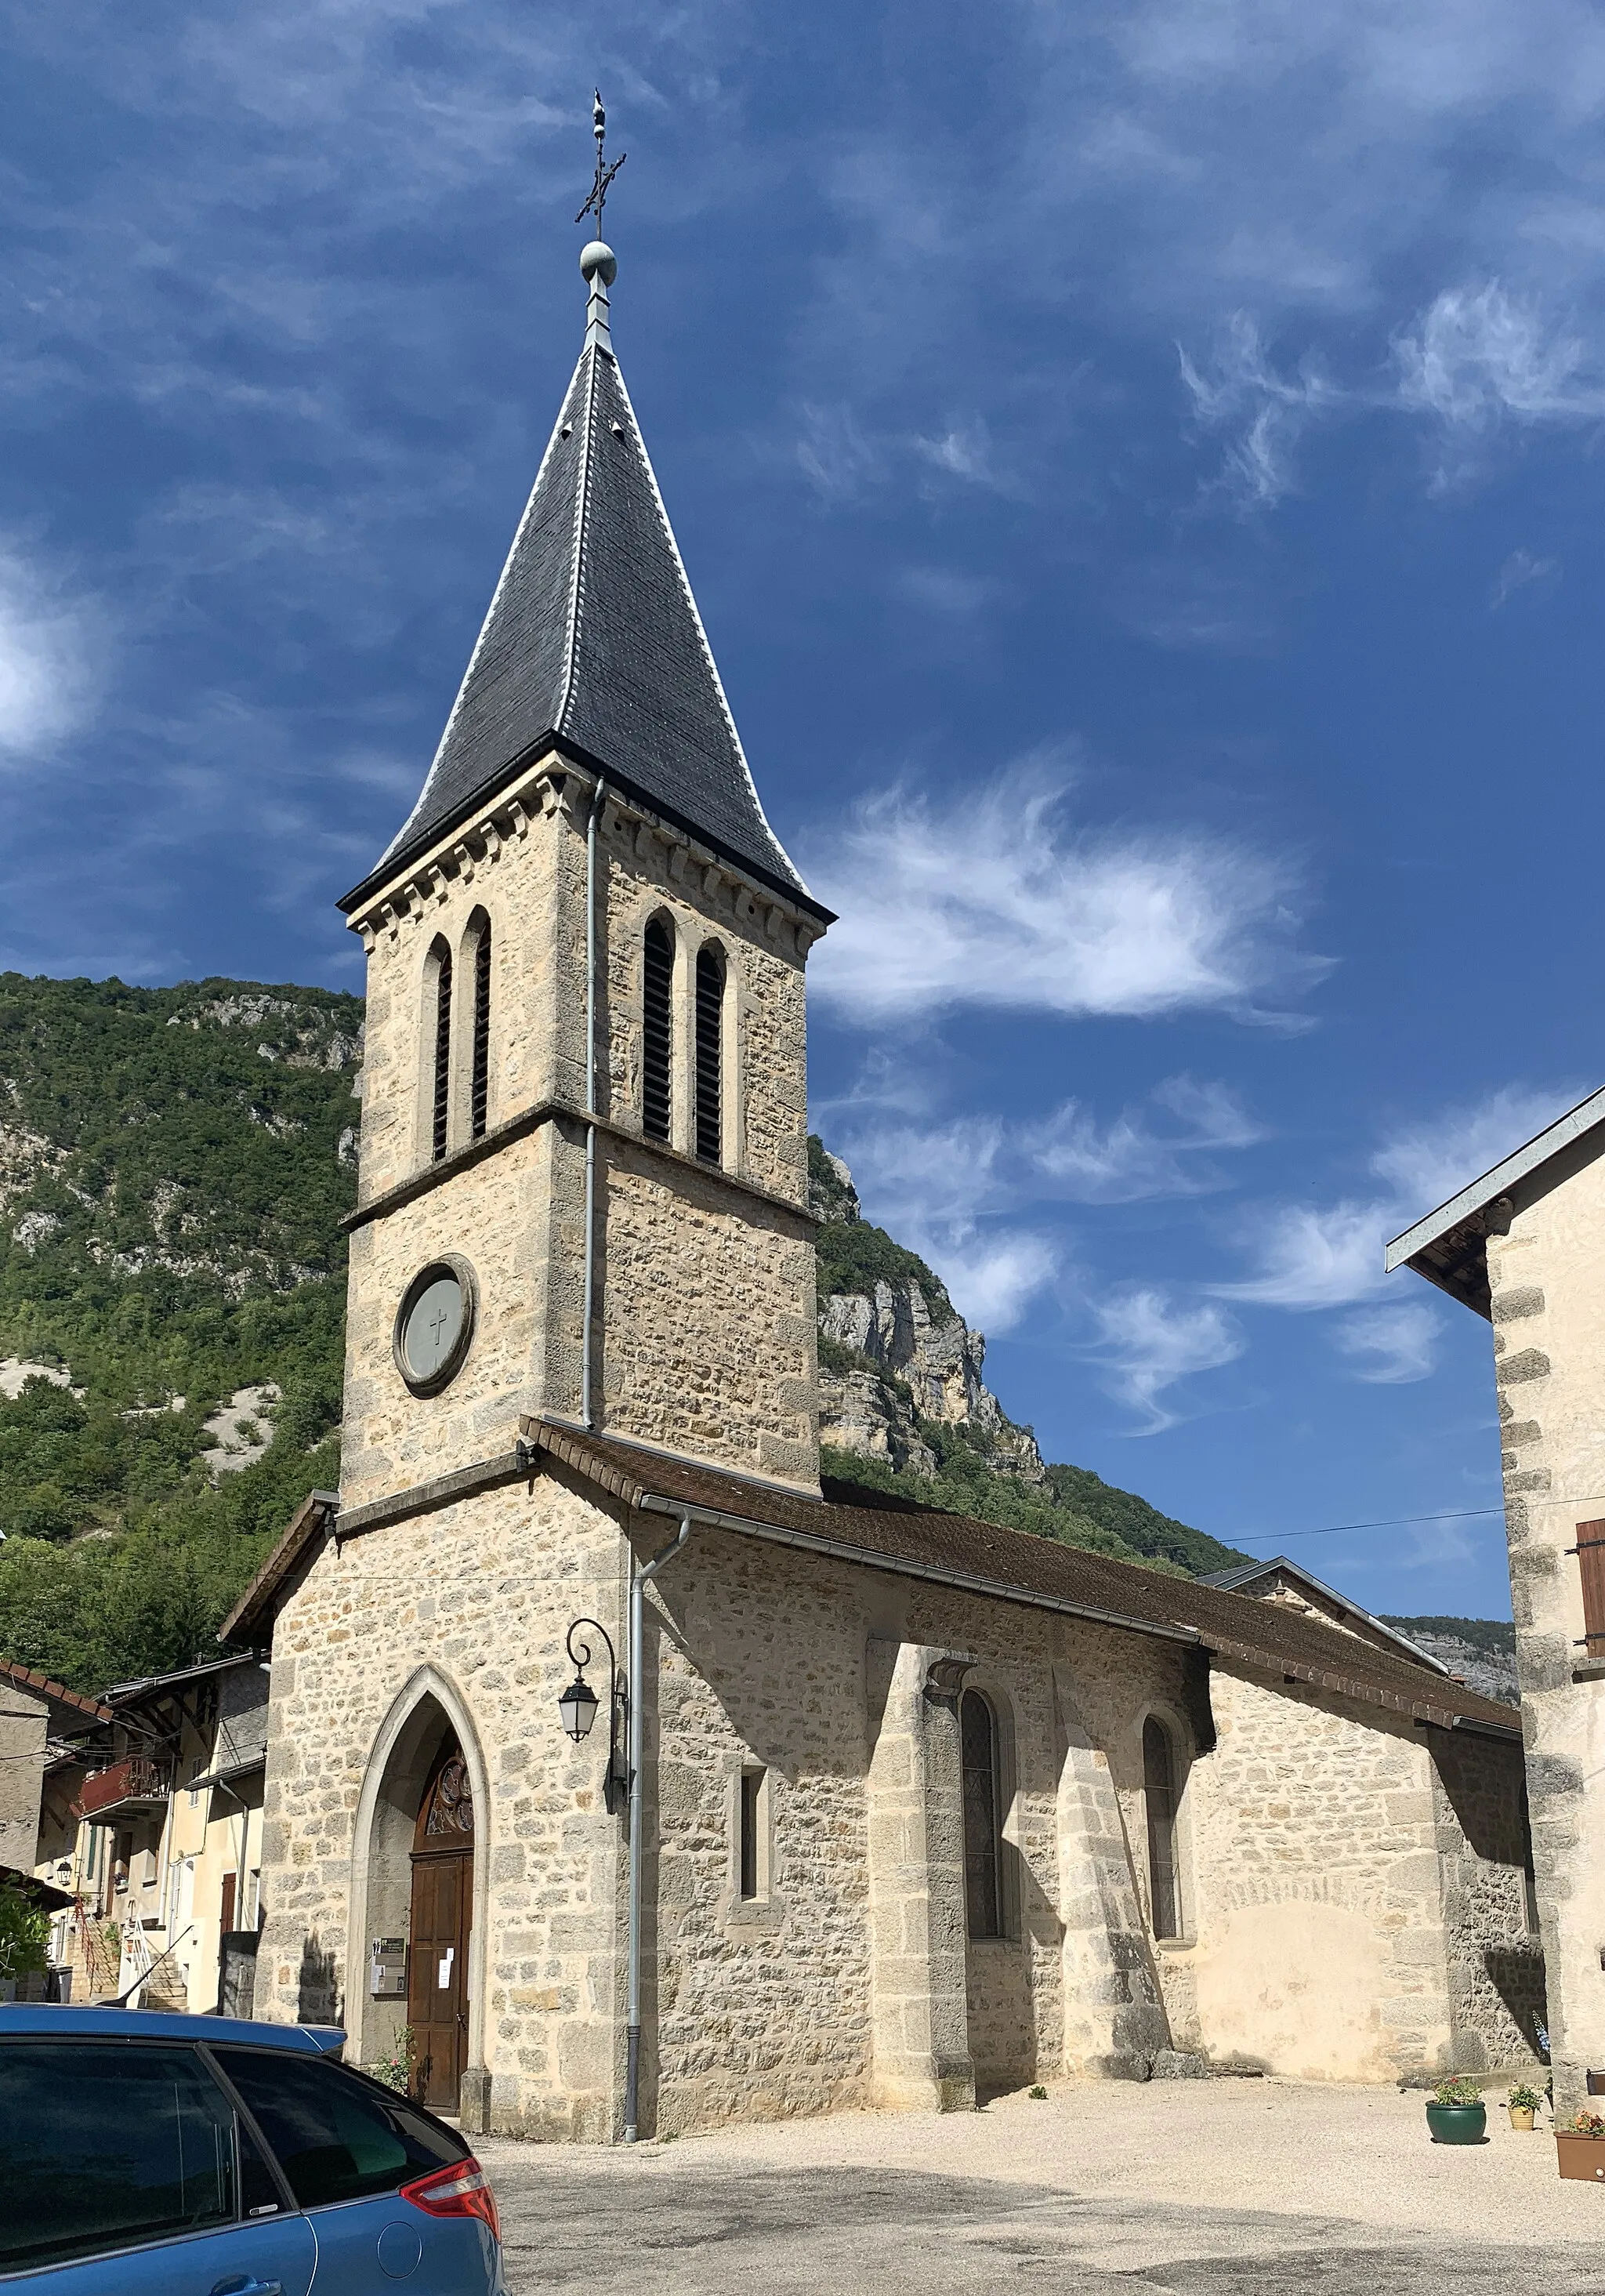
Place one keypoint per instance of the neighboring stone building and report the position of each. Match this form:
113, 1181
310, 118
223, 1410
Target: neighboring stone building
1524, 1247
915, 1806
33, 1711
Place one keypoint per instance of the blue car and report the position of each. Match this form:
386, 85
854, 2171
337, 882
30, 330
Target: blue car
205, 2156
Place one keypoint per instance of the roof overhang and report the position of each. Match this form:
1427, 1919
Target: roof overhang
1449, 1247
554, 744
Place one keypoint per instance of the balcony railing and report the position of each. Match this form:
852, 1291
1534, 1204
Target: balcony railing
134, 1788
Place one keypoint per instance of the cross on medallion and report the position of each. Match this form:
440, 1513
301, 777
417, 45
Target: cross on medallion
437, 1323
605, 174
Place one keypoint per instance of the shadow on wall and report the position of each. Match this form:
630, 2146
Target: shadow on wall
319, 2002
1516, 1974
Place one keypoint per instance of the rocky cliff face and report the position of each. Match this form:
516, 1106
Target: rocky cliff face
896, 1360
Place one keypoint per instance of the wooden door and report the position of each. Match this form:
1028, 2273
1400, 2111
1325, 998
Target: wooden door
443, 1891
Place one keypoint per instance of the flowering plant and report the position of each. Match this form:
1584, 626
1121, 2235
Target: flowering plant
1524, 2099
1457, 2090
1588, 2124
394, 2069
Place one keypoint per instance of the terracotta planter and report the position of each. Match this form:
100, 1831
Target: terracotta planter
1521, 2115
1457, 2124
1583, 2157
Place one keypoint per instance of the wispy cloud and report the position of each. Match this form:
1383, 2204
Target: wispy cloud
1165, 1146
1522, 570
1478, 355
964, 450
1427, 1162
1148, 1343
1313, 1257
52, 650
1237, 388
992, 898
992, 1275
1390, 1346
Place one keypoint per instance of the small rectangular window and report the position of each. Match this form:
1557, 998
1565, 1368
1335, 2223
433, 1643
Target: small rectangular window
751, 1819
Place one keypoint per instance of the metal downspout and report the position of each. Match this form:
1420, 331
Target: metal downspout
639, 1575
586, 1361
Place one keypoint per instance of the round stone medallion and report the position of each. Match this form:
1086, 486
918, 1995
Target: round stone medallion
434, 1325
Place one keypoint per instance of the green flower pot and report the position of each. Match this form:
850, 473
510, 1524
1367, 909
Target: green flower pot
1457, 2124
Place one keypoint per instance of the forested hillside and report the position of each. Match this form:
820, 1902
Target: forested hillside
173, 1166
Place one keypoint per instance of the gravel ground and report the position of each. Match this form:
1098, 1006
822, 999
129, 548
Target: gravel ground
1190, 2186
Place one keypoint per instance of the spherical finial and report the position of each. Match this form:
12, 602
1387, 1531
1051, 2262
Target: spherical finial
596, 256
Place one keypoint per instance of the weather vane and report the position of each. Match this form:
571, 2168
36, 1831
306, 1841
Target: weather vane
605, 174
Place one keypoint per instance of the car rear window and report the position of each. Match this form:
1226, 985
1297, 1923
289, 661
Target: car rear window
336, 2135
108, 2146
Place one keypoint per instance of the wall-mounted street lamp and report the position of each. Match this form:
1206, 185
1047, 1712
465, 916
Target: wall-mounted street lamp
577, 1709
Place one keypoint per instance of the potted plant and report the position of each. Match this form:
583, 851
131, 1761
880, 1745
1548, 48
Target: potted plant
1521, 2104
1455, 2112
1580, 2148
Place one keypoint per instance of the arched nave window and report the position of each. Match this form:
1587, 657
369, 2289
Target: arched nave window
983, 1837
1160, 1796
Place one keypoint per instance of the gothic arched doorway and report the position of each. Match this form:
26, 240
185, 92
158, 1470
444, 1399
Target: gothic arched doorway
443, 1898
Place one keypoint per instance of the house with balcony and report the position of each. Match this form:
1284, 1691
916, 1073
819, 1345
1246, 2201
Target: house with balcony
151, 1818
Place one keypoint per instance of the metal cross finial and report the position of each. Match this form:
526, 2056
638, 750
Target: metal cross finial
605, 174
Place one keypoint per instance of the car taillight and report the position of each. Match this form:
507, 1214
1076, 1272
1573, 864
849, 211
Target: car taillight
463, 2189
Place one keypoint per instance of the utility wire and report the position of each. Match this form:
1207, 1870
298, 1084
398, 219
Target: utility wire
1327, 1530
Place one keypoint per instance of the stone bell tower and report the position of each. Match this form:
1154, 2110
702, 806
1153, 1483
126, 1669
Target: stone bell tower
584, 1174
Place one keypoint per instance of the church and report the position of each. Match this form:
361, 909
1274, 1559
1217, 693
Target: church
621, 1773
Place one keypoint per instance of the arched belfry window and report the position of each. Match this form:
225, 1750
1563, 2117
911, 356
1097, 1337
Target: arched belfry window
441, 1081
479, 1089
710, 1031
983, 1835
1160, 1796
657, 1032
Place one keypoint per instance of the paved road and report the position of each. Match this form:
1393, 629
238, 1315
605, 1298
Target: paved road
675, 2224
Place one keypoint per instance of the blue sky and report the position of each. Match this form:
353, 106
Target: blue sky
1140, 469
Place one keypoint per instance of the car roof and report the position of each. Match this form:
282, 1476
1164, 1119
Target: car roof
66, 2021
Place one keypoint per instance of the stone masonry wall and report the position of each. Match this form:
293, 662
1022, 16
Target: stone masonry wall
1547, 1277
1321, 1949
22, 1759
708, 1327
1496, 1962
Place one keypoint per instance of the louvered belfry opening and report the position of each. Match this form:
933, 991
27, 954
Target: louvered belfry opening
657, 1032
443, 1053
1159, 1792
710, 1018
480, 1094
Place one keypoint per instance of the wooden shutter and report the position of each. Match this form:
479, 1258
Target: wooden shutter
1591, 1570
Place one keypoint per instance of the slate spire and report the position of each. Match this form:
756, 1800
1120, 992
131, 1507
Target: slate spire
593, 641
